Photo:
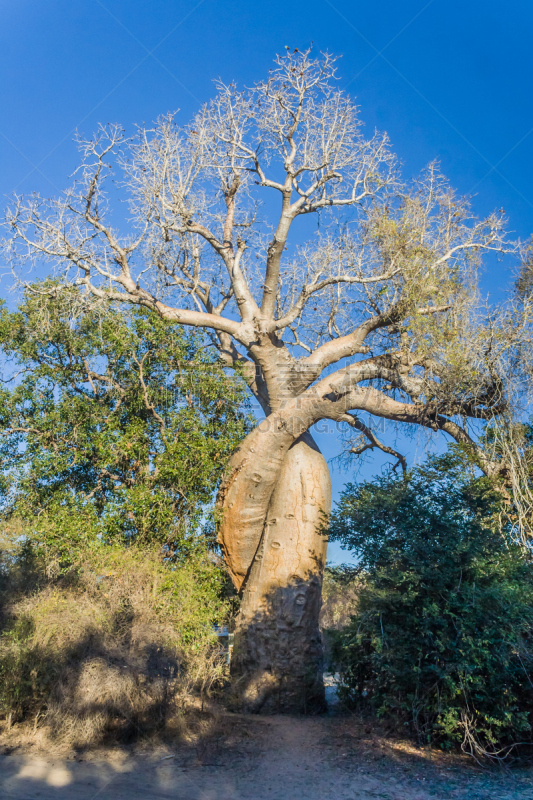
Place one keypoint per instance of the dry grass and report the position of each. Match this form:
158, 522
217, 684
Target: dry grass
340, 593
118, 649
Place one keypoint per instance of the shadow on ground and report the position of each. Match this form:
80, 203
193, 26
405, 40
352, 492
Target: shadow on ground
253, 758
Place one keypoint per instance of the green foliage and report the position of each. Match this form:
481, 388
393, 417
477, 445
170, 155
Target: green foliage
440, 638
115, 426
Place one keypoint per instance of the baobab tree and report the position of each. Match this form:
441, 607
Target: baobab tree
335, 289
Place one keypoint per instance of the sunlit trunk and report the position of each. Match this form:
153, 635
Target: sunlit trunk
277, 656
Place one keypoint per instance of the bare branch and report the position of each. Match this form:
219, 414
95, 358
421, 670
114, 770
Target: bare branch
386, 284
372, 441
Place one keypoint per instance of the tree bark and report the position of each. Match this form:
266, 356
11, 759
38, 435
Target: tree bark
277, 658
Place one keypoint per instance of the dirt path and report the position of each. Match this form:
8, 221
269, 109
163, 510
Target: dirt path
271, 758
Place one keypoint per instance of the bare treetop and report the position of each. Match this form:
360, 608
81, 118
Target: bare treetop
387, 269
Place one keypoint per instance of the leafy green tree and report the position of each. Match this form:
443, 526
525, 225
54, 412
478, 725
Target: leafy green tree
440, 638
116, 426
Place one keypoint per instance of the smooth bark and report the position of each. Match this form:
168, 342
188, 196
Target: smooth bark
277, 659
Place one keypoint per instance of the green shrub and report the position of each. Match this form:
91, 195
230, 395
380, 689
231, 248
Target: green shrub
440, 641
116, 426
115, 433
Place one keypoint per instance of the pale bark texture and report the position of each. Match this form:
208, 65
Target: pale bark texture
375, 314
277, 660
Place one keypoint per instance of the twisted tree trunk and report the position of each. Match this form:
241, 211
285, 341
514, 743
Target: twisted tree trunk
274, 501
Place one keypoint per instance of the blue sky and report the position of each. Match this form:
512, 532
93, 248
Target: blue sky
446, 79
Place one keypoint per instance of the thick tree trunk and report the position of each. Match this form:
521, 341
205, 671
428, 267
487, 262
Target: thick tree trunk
277, 657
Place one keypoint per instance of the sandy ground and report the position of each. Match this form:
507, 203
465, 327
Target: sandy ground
268, 758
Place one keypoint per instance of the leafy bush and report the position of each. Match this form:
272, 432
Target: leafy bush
117, 647
112, 425
114, 434
440, 641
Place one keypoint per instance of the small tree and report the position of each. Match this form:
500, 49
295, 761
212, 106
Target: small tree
439, 640
117, 426
383, 286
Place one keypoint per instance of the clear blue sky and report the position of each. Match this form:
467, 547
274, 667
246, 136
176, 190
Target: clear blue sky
446, 79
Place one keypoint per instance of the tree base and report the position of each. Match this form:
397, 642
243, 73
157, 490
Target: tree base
277, 660
265, 693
